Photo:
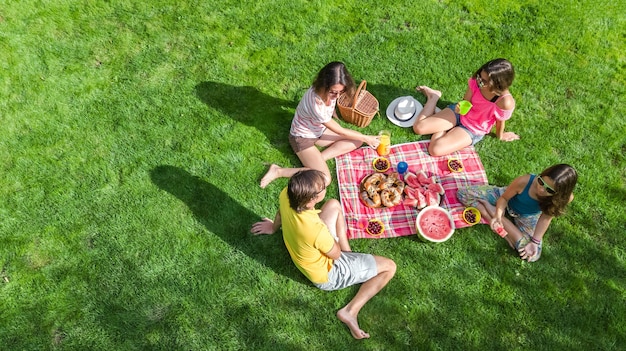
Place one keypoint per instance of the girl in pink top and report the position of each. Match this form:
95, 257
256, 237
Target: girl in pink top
492, 104
313, 125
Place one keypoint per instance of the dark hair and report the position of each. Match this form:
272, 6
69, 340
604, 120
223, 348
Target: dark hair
304, 186
501, 74
333, 73
564, 177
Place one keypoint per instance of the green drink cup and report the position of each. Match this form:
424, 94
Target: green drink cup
464, 106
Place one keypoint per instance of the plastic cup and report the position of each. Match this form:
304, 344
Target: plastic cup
385, 141
464, 106
402, 167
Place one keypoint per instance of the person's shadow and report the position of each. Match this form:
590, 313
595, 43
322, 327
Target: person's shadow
270, 115
226, 218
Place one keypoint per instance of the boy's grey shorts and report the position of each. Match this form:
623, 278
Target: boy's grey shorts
350, 269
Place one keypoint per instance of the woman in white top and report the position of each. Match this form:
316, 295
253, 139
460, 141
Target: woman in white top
313, 125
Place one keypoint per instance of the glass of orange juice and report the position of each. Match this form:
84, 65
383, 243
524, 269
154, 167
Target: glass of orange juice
385, 142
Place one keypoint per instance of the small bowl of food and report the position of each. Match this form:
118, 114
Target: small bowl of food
455, 165
375, 227
471, 215
381, 164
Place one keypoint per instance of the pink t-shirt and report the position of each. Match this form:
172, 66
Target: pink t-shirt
484, 113
310, 116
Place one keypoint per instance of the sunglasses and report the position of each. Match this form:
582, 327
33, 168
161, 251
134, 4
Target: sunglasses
335, 92
480, 81
548, 188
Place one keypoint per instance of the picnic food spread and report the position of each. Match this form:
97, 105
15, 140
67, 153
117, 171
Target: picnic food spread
381, 190
399, 220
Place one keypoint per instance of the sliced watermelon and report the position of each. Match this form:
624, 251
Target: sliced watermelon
411, 179
422, 178
432, 198
409, 192
428, 181
436, 187
410, 202
421, 200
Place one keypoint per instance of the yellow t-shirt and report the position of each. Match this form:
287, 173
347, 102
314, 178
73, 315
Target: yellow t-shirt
307, 239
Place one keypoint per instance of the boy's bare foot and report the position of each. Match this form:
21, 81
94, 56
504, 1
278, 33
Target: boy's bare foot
352, 324
271, 174
429, 92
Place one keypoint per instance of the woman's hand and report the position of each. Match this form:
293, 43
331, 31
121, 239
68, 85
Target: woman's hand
496, 223
528, 251
265, 226
372, 140
509, 136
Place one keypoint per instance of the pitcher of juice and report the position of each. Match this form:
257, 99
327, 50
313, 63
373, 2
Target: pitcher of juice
385, 141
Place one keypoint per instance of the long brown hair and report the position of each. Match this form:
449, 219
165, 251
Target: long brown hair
303, 187
501, 74
564, 177
333, 73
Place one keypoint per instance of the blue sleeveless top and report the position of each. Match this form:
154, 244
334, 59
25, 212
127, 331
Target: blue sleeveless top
522, 203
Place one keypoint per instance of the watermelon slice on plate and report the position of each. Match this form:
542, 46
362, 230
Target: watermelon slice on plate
422, 178
421, 200
434, 224
436, 187
411, 179
432, 198
409, 202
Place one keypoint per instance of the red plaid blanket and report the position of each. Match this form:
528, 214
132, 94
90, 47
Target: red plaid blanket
400, 220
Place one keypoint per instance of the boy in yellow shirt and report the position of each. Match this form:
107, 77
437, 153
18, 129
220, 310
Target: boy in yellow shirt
318, 245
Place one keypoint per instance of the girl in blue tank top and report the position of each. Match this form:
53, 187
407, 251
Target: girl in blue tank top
522, 211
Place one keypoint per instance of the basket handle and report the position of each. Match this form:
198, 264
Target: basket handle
358, 91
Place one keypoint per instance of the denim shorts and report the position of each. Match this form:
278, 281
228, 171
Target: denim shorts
350, 269
475, 137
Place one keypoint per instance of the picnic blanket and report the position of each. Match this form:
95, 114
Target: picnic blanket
400, 220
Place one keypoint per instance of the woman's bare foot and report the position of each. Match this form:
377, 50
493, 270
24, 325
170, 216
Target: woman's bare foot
429, 92
352, 324
271, 174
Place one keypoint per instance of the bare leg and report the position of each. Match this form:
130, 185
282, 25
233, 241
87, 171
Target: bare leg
332, 215
488, 211
432, 96
349, 313
336, 145
445, 143
311, 158
276, 172
339, 148
441, 121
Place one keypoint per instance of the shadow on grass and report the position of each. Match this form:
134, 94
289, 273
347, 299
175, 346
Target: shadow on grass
226, 218
271, 116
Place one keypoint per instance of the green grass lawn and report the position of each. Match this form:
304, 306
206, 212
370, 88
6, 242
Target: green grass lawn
134, 135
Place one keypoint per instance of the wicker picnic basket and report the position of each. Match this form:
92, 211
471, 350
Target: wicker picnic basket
359, 110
